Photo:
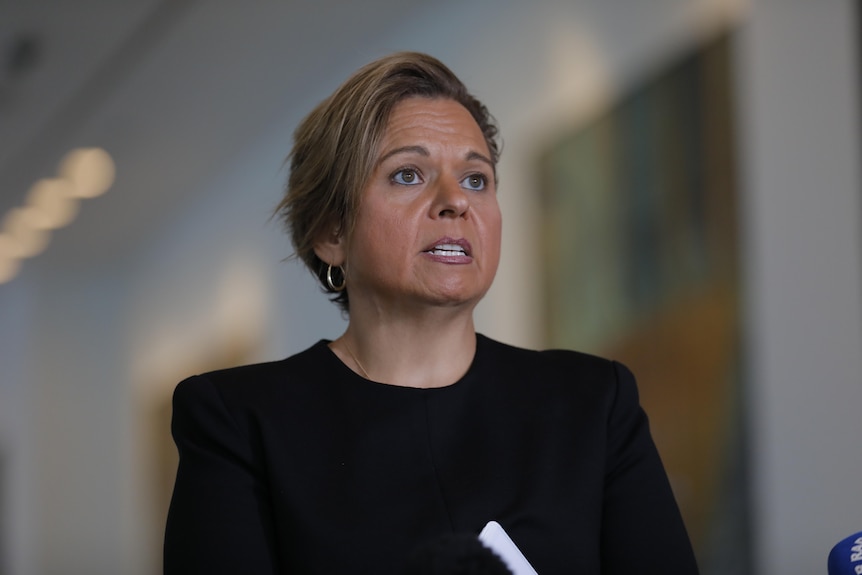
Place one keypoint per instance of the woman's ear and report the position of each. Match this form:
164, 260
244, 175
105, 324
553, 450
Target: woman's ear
330, 246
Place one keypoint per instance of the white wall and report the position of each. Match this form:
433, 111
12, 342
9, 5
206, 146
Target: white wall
16, 445
800, 105
215, 269
79, 424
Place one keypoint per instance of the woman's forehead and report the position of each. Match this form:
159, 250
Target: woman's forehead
437, 121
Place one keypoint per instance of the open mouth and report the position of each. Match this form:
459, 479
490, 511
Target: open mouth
448, 250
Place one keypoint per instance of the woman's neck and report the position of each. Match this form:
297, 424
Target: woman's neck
434, 350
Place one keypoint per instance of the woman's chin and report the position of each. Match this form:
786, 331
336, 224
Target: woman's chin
455, 296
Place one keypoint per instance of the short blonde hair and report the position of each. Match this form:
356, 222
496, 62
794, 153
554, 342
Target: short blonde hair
335, 147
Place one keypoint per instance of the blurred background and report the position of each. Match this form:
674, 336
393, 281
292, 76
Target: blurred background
680, 186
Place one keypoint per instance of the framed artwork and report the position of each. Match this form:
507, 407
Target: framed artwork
642, 265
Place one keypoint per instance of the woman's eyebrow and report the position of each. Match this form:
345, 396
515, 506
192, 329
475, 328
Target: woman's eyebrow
481, 157
422, 151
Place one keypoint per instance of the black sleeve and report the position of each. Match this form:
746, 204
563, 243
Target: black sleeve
642, 530
219, 519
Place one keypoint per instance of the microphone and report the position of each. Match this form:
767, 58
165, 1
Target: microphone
846, 557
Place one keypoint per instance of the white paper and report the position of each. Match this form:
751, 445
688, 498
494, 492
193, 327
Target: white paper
495, 538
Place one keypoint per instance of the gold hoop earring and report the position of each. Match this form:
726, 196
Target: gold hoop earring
329, 281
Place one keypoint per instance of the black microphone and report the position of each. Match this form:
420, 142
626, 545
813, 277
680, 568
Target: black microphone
846, 557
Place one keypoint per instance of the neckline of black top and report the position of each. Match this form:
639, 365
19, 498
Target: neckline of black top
344, 373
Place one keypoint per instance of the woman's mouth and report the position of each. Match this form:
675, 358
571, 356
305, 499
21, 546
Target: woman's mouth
449, 247
447, 250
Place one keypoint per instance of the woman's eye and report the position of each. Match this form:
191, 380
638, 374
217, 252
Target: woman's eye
475, 182
406, 176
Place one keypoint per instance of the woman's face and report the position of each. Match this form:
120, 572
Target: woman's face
428, 227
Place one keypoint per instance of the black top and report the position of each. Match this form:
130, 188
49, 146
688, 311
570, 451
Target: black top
303, 466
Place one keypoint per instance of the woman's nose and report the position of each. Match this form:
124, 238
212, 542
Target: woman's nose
450, 199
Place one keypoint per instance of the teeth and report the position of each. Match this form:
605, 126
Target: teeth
448, 250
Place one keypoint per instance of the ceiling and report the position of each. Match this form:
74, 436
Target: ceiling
171, 88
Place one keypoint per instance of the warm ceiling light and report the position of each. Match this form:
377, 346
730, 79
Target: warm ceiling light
7, 247
90, 170
26, 240
50, 204
8, 267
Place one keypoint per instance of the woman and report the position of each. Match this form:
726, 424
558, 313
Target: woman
353, 454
